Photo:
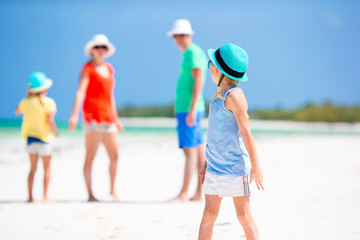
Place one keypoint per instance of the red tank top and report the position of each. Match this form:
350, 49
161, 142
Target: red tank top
98, 97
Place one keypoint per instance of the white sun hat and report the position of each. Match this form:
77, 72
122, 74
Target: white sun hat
181, 26
99, 40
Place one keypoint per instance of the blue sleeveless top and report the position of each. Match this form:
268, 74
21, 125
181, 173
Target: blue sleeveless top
226, 153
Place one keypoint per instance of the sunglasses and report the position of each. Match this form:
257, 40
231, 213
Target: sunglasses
179, 35
102, 46
209, 64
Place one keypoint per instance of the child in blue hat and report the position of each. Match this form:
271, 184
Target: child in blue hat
230, 150
37, 127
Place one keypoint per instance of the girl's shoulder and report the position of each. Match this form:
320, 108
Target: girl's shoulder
49, 103
27, 100
27, 103
235, 92
48, 100
236, 97
23, 101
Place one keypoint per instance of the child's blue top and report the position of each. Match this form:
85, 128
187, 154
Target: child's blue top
226, 153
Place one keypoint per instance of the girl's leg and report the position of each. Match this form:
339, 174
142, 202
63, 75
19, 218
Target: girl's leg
93, 140
200, 163
33, 165
242, 205
46, 162
110, 142
211, 211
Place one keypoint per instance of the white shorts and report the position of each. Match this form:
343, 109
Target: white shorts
226, 186
43, 149
102, 127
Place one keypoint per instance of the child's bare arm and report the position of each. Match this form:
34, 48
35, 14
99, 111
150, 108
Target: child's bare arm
203, 172
19, 108
17, 112
236, 102
51, 121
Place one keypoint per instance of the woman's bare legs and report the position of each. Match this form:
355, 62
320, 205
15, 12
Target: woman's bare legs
46, 162
33, 166
211, 211
110, 142
92, 139
242, 205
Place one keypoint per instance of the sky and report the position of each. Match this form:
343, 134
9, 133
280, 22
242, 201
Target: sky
299, 51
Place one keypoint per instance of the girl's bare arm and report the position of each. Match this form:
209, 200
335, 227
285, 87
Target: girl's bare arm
17, 112
236, 103
51, 121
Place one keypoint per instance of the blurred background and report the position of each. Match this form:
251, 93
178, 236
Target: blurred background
303, 66
303, 55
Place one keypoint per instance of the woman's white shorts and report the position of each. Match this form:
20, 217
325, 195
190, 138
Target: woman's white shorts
226, 186
102, 127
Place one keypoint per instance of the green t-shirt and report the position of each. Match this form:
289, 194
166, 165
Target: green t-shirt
193, 57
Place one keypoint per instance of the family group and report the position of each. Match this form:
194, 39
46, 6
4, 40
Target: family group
226, 165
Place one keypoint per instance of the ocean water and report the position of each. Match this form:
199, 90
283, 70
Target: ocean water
12, 128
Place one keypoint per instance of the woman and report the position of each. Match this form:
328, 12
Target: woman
96, 92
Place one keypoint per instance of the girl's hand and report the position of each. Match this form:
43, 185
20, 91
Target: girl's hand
202, 173
191, 118
56, 133
257, 175
73, 122
17, 112
119, 125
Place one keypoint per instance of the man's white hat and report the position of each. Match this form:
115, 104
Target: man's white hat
99, 40
181, 26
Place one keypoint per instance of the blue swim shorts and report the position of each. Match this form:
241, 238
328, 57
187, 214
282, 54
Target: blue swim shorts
190, 137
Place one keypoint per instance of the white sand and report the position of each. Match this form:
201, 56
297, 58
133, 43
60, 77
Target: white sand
312, 192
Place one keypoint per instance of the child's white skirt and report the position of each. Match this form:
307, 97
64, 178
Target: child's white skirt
42, 149
226, 186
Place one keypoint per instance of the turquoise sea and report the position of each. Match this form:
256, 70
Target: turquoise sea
12, 128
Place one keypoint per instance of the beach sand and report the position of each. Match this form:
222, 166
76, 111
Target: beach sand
312, 191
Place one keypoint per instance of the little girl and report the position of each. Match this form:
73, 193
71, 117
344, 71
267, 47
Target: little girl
230, 145
37, 126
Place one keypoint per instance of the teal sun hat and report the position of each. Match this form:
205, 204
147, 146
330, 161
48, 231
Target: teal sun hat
39, 82
231, 60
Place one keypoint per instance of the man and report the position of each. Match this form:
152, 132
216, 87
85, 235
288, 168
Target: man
190, 105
